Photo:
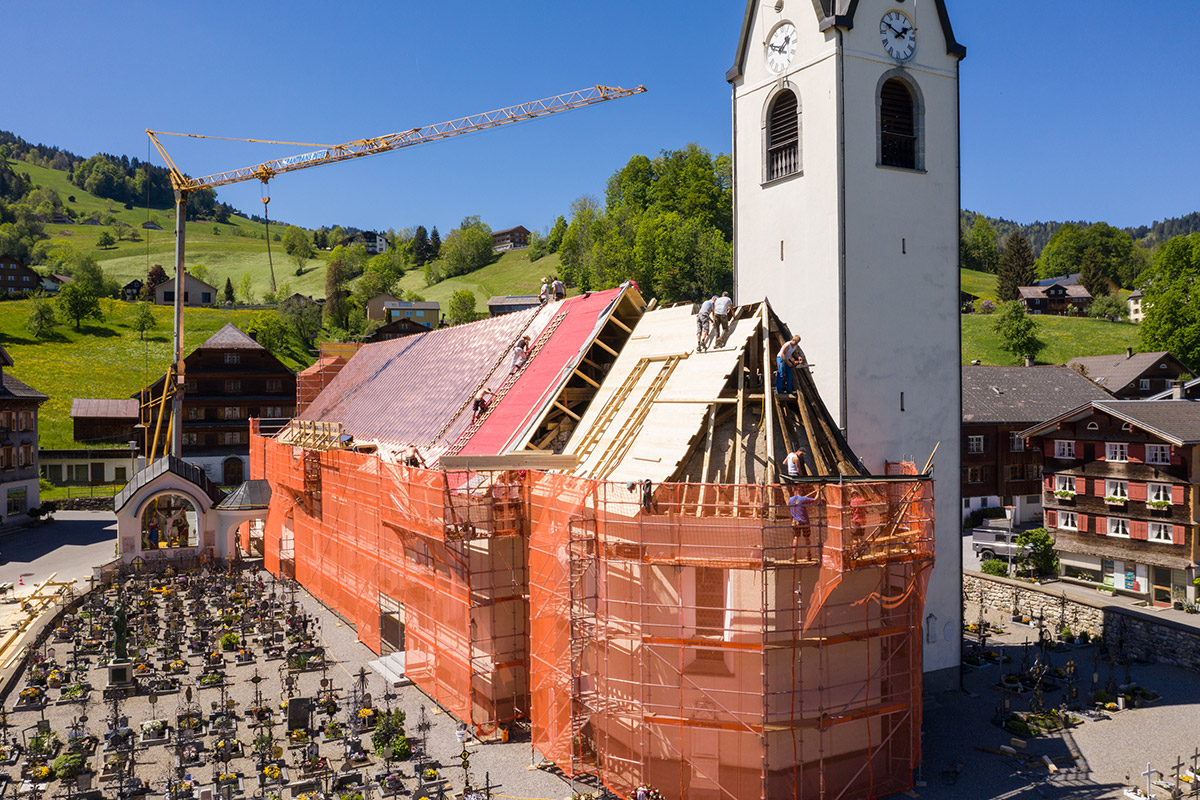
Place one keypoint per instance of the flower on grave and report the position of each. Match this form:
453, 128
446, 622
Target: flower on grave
366, 713
40, 773
227, 777
31, 693
430, 774
271, 772
142, 668
299, 736
154, 726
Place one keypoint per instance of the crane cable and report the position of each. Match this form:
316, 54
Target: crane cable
266, 199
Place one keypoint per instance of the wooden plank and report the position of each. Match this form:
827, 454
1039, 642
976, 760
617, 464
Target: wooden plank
566, 411
697, 401
620, 324
586, 378
516, 460
708, 443
772, 475
606, 347
737, 428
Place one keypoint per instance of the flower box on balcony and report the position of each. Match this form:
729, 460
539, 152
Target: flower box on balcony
1064, 494
1116, 501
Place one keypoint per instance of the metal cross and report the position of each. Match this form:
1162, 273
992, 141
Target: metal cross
1149, 776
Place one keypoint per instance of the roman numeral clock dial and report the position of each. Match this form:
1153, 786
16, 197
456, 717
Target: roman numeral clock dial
899, 35
781, 47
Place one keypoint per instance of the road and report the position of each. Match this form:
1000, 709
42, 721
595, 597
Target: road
71, 545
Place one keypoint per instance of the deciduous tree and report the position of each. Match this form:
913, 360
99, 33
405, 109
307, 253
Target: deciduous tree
462, 305
1017, 331
41, 320
78, 302
1171, 299
143, 319
105, 240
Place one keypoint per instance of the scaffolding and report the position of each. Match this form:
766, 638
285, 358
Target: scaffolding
714, 641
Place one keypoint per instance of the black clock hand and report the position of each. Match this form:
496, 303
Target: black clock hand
898, 33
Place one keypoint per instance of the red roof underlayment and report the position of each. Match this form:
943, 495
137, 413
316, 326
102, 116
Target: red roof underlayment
538, 382
418, 389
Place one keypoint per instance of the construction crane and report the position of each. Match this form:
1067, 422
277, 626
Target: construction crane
327, 154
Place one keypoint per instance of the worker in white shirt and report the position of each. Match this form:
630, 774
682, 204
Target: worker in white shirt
787, 359
703, 323
722, 311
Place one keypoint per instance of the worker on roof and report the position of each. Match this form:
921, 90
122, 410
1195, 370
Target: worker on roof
480, 405
792, 462
704, 322
519, 354
787, 359
560, 291
722, 311
544, 292
413, 457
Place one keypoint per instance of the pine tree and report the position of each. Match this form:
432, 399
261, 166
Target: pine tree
1091, 273
435, 244
1016, 267
420, 246
229, 298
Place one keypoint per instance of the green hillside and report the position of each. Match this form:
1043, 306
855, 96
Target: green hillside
511, 273
104, 359
980, 284
228, 250
1065, 338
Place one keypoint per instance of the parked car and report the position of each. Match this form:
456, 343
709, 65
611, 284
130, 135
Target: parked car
996, 543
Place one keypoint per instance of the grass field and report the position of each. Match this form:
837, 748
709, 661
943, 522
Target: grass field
980, 284
103, 359
1065, 338
228, 250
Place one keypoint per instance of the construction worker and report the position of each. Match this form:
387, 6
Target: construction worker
560, 291
792, 462
413, 457
800, 521
787, 359
480, 405
544, 292
519, 354
704, 323
722, 311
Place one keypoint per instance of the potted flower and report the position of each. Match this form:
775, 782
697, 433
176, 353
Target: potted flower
1115, 500
55, 678
299, 736
430, 774
271, 772
178, 666
333, 730
1064, 494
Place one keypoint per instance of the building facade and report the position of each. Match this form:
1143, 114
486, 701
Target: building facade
19, 404
510, 239
16, 277
195, 292
1057, 298
846, 208
421, 312
998, 469
1120, 491
1134, 302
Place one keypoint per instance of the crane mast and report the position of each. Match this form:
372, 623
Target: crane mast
331, 154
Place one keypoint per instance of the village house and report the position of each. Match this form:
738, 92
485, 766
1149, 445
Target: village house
508, 304
16, 277
1057, 298
510, 239
19, 403
195, 292
997, 404
1130, 375
375, 306
1137, 311
419, 311
1120, 486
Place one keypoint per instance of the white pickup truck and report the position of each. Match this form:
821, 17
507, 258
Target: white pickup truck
996, 543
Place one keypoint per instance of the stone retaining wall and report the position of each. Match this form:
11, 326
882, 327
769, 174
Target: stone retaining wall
85, 504
1140, 634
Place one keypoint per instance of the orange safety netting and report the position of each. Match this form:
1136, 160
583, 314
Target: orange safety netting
712, 641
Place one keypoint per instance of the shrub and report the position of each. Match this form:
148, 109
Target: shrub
994, 566
229, 641
67, 766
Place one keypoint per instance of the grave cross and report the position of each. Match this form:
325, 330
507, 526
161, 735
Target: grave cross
1149, 776
1196, 760
1177, 769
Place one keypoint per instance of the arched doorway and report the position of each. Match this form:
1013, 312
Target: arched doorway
233, 471
169, 521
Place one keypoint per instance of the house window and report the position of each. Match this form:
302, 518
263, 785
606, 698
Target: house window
1064, 448
192, 386
1118, 527
233, 358
1064, 483
1033, 472
1015, 443
1158, 454
16, 501
191, 439
274, 385
232, 437
206, 298
1116, 451
1144, 384
897, 125
193, 412
974, 444
1116, 490
119, 475
233, 387
783, 136
1067, 520
273, 412
168, 297
233, 412
1158, 493
1016, 472
1160, 532
974, 475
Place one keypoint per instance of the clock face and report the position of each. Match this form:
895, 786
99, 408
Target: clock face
898, 35
781, 47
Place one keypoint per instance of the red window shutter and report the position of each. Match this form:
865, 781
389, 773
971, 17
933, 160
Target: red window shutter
1138, 529
1051, 519
1099, 487
1137, 492
1101, 451
1081, 523
1137, 453
1101, 525
1177, 491
1176, 456
1177, 533
1049, 483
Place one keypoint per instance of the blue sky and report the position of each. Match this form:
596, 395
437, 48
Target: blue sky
1082, 110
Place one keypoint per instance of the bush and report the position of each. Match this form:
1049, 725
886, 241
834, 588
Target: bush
67, 766
1039, 545
229, 641
994, 566
1018, 726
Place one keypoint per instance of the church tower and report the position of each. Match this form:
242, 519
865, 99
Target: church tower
846, 198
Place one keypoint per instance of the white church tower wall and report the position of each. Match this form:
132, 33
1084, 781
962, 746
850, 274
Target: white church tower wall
853, 233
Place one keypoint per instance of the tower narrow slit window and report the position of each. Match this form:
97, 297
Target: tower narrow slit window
783, 136
897, 125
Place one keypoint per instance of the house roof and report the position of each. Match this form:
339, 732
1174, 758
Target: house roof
168, 463
510, 230
1136, 294
230, 337
5, 358
1065, 280
1176, 421
513, 300
1039, 291
11, 388
105, 408
57, 278
1015, 395
251, 494
832, 14
1116, 372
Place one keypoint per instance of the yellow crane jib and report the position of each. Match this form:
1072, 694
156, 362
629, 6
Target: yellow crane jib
358, 148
